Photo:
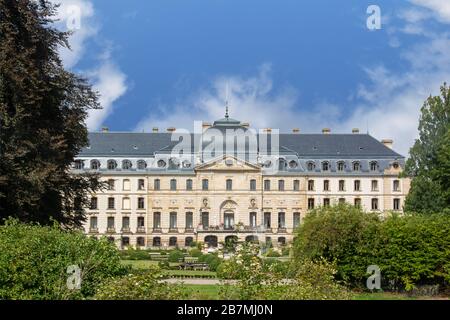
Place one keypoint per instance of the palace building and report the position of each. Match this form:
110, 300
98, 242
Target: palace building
171, 188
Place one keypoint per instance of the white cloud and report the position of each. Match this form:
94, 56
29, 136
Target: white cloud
108, 79
441, 8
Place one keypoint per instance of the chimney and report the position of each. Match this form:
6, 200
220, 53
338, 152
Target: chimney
155, 129
246, 125
206, 125
326, 130
268, 130
171, 129
105, 129
355, 130
388, 143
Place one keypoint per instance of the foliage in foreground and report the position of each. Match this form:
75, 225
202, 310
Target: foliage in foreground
255, 280
147, 286
34, 262
410, 250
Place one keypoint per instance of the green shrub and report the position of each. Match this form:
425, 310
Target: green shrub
410, 249
211, 259
285, 251
140, 287
175, 256
195, 253
272, 253
34, 262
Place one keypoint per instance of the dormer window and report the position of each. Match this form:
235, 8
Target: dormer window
340, 166
161, 163
293, 164
78, 164
373, 166
95, 164
126, 165
325, 166
112, 165
186, 164
142, 165
311, 166
356, 166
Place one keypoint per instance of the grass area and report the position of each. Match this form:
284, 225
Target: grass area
383, 296
202, 291
139, 264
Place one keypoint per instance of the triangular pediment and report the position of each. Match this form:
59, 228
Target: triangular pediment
227, 163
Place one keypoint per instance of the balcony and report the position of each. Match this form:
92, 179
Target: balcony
140, 230
282, 230
126, 230
189, 230
111, 230
93, 230
173, 230
157, 230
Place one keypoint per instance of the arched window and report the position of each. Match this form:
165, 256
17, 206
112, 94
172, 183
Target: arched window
141, 165
281, 164
293, 164
126, 165
325, 166
112, 165
95, 164
188, 241
172, 241
311, 166
156, 242
340, 166
373, 166
356, 166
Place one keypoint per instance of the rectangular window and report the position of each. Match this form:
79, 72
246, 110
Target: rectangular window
310, 185
358, 202
396, 186
296, 219
396, 204
326, 202
205, 184
357, 185
205, 220
267, 220
141, 203
125, 223
111, 184
374, 204
110, 223
280, 185
189, 184
126, 185
296, 185
111, 203
141, 184
141, 222
253, 219
173, 220
189, 220
253, 185
94, 203
326, 185
374, 185
311, 203
126, 204
341, 200
229, 185
281, 220
266, 185
157, 184
156, 220
341, 185
173, 185
93, 223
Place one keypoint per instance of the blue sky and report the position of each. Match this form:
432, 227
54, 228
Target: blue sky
287, 63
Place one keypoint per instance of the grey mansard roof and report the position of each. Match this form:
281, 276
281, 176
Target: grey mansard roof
361, 146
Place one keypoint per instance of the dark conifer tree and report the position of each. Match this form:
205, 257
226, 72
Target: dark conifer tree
43, 109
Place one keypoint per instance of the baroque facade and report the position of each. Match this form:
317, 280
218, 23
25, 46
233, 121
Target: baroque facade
162, 195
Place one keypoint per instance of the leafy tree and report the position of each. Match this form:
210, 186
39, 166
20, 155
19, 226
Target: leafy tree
43, 109
34, 262
428, 165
